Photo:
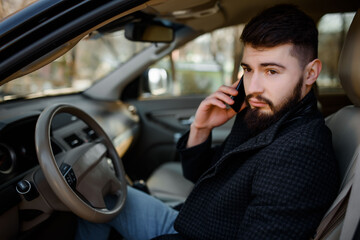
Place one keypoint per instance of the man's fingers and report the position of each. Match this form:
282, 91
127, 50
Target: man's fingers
220, 99
229, 90
213, 101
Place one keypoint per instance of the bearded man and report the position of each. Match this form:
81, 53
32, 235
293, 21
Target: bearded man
275, 175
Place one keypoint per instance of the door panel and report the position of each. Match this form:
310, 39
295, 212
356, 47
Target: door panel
162, 123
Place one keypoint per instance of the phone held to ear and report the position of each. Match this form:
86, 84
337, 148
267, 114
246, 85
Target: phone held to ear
239, 99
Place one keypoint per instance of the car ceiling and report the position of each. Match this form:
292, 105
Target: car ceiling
212, 14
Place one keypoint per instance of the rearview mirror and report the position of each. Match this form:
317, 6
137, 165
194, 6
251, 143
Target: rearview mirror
149, 32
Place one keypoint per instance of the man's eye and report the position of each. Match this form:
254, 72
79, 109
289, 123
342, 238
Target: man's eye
272, 72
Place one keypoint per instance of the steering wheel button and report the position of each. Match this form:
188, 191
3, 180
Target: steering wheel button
72, 175
69, 180
64, 168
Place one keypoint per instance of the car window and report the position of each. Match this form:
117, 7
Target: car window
197, 68
332, 32
91, 59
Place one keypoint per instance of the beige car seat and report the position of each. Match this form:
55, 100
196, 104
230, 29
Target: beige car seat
343, 217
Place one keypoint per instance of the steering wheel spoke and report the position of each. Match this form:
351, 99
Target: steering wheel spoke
99, 182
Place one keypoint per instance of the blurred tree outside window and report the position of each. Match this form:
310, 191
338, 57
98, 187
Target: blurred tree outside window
8, 7
212, 59
332, 32
203, 64
90, 60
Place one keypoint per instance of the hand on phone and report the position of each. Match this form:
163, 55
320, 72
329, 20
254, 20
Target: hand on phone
214, 111
239, 99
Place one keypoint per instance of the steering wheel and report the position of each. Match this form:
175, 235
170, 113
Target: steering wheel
84, 175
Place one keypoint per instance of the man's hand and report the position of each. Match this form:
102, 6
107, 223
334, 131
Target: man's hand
212, 112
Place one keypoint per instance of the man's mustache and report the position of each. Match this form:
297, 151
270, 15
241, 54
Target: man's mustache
259, 98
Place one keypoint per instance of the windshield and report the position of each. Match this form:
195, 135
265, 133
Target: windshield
90, 60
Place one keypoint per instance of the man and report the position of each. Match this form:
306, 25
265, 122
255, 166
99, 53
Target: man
275, 175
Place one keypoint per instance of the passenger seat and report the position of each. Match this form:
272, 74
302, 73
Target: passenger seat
168, 184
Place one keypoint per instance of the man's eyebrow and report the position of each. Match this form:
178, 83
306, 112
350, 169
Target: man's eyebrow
264, 65
244, 65
272, 64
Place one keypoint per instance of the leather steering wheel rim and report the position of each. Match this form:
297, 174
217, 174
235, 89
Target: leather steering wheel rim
95, 153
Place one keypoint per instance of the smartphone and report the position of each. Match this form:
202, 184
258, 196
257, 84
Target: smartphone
239, 99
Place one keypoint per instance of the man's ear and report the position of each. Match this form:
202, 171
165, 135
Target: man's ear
312, 71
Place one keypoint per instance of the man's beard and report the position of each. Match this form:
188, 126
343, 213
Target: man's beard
258, 121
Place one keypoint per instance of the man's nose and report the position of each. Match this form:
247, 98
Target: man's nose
255, 84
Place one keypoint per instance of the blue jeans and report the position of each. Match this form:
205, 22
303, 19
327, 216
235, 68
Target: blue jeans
142, 217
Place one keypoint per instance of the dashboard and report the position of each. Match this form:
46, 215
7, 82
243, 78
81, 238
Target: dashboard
18, 159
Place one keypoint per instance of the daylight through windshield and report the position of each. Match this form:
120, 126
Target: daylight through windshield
91, 59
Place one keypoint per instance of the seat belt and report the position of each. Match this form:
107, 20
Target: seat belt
352, 215
357, 232
334, 217
345, 208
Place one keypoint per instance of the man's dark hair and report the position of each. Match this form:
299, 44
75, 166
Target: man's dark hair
283, 24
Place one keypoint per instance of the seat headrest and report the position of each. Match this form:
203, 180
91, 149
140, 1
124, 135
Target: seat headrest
349, 62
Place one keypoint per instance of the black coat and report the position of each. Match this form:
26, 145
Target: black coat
276, 185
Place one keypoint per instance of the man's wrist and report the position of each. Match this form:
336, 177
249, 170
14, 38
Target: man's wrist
197, 135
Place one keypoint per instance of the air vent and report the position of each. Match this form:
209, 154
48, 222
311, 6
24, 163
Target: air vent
73, 140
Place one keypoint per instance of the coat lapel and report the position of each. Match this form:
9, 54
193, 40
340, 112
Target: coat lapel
259, 141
